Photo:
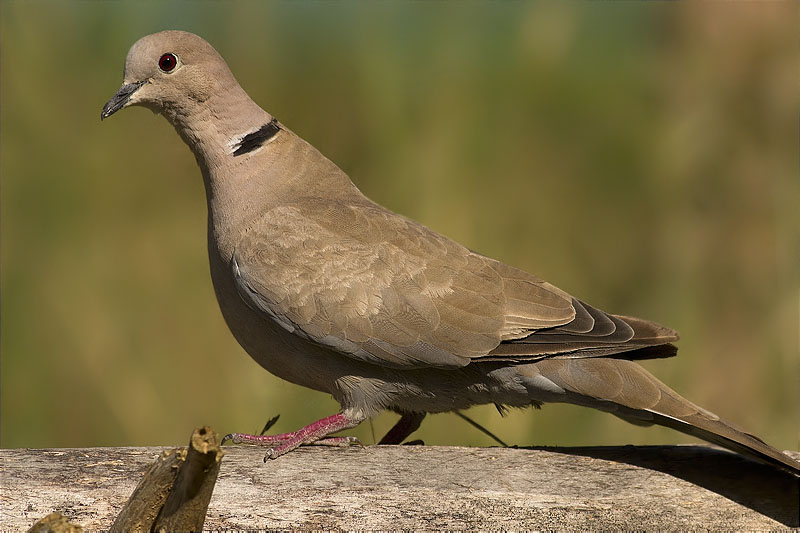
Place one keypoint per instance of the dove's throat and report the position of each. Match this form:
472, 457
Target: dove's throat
213, 128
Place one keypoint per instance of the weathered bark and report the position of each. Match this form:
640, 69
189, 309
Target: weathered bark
55, 523
149, 496
411, 487
175, 490
185, 508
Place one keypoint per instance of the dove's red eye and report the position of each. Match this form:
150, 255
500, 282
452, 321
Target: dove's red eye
167, 62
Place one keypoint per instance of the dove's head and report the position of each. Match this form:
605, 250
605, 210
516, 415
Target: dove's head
171, 72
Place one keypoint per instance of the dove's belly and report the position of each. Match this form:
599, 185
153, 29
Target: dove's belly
264, 340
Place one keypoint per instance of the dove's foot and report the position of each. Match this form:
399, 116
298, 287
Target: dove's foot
315, 433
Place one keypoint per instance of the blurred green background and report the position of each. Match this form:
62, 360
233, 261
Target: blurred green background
641, 156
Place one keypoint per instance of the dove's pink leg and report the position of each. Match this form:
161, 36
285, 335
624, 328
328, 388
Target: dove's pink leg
313, 433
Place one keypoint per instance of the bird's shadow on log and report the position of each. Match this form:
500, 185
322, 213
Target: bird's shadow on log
762, 488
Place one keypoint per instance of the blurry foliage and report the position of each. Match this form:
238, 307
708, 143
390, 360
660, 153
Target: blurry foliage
641, 156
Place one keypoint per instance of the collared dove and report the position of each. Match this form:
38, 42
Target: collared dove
327, 289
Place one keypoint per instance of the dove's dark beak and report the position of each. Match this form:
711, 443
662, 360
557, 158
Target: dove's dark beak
120, 100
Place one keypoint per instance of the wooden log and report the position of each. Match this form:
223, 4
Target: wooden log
175, 490
185, 508
658, 488
55, 523
140, 511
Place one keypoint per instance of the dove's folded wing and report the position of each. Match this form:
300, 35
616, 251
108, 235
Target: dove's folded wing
379, 287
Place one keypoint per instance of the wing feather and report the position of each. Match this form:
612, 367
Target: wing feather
379, 287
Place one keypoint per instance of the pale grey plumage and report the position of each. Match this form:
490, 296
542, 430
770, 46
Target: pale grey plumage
329, 290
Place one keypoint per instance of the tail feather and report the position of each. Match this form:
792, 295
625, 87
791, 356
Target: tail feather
627, 390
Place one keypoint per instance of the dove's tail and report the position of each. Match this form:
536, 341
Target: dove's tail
627, 390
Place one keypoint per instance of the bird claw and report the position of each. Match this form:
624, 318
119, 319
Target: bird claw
338, 442
233, 438
315, 433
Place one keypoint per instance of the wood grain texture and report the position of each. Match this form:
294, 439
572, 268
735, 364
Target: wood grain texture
188, 499
395, 487
142, 508
174, 492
